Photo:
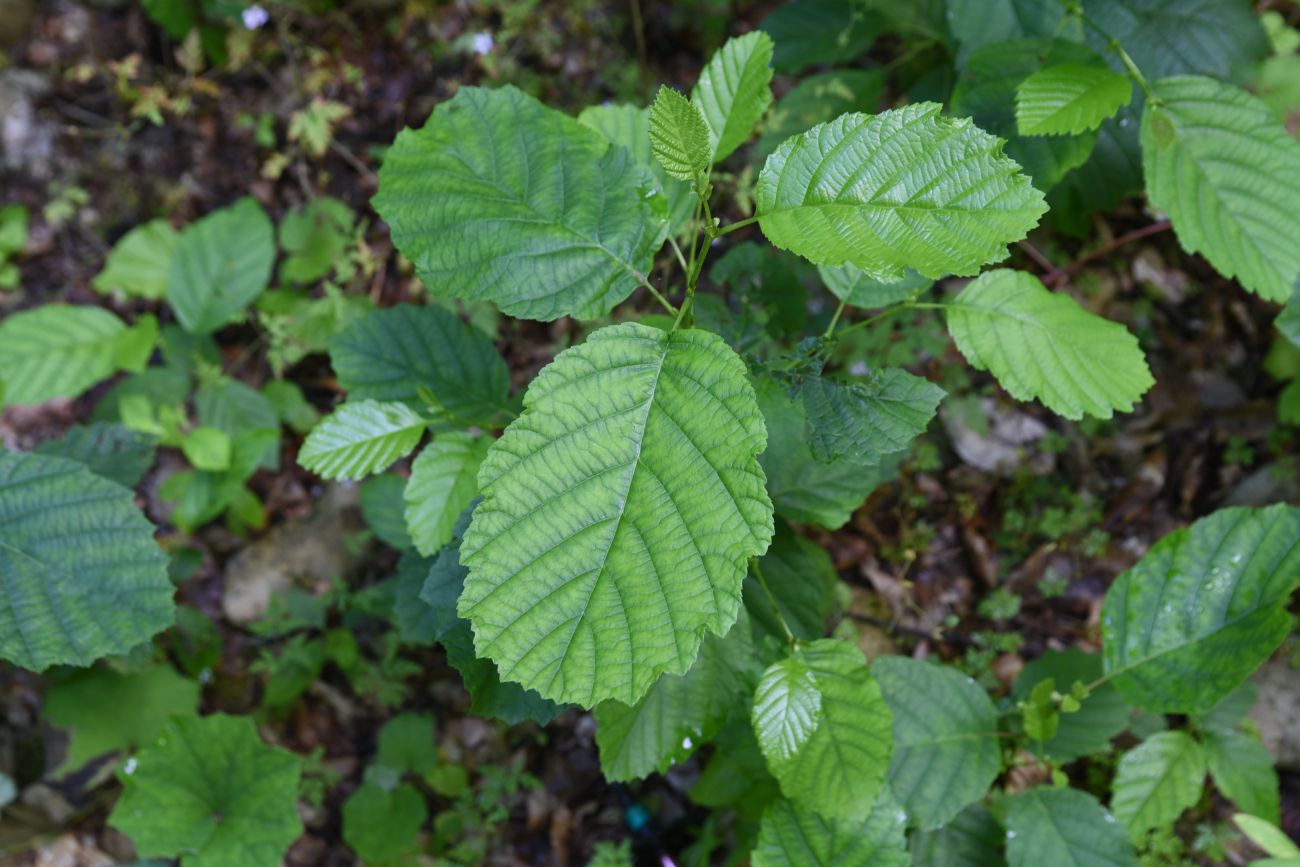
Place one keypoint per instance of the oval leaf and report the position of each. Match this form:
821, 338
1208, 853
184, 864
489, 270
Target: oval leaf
791, 835
444, 480
1157, 780
1069, 99
1064, 826
734, 91
57, 350
361, 437
220, 265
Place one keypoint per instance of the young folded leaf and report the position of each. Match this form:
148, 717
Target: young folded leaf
1069, 99
361, 437
903, 188
824, 728
619, 511
1203, 609
1041, 344
502, 199
1227, 172
679, 137
734, 91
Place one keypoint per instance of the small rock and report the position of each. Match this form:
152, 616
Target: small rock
1006, 444
26, 141
315, 550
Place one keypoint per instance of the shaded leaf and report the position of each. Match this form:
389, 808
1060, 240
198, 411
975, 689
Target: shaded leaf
865, 420
791, 835
115, 452
1064, 826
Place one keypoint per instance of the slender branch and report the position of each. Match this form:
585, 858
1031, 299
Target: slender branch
894, 311
677, 251
839, 311
1037, 255
668, 305
1063, 274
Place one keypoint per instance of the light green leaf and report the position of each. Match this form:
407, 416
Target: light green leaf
808, 32
865, 420
973, 839
792, 835
854, 286
618, 512
390, 354
207, 449
679, 137
443, 482
561, 223
139, 263
1041, 344
734, 92
1267, 836
679, 713
57, 350
946, 752
210, 792
115, 452
904, 188
1069, 99
824, 728
1157, 780
1100, 717
361, 437
383, 824
107, 711
1242, 768
80, 573
220, 265
1203, 609
802, 579
1227, 172
1064, 826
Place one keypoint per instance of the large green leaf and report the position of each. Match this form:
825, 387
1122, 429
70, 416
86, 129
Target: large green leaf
500, 198
382, 824
791, 835
808, 32
973, 839
679, 713
115, 452
80, 573
1173, 37
1203, 609
824, 728
211, 793
817, 99
864, 420
1242, 768
1100, 717
734, 91
618, 513
946, 752
978, 23
58, 350
803, 488
1157, 780
904, 188
444, 480
361, 437
1041, 344
1069, 99
1065, 827
679, 136
139, 263
393, 354
1227, 172
220, 265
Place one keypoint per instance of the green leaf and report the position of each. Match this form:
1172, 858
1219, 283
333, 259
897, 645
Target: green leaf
1064, 826
791, 835
416, 622
80, 574
1157, 780
946, 752
1288, 321
107, 711
817, 99
973, 839
736, 775
865, 420
57, 350
115, 452
406, 743
1102, 715
290, 405
803, 488
679, 137
733, 93
1267, 836
1242, 768
1227, 172
855, 287
678, 714
1230, 711
809, 32
618, 511
1041, 344
1203, 609
802, 579
824, 728
207, 449
382, 824
361, 437
1173, 37
391, 354
561, 222
230, 406
220, 265
978, 23
139, 263
210, 792
384, 508
443, 482
904, 188
1069, 99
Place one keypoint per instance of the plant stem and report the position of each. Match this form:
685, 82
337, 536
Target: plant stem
830, 329
677, 251
892, 311
731, 227
668, 305
771, 600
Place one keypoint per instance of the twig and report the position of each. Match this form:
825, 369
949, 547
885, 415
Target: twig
1043, 262
1106, 249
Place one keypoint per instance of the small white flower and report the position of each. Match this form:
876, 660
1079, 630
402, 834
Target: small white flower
482, 43
254, 17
